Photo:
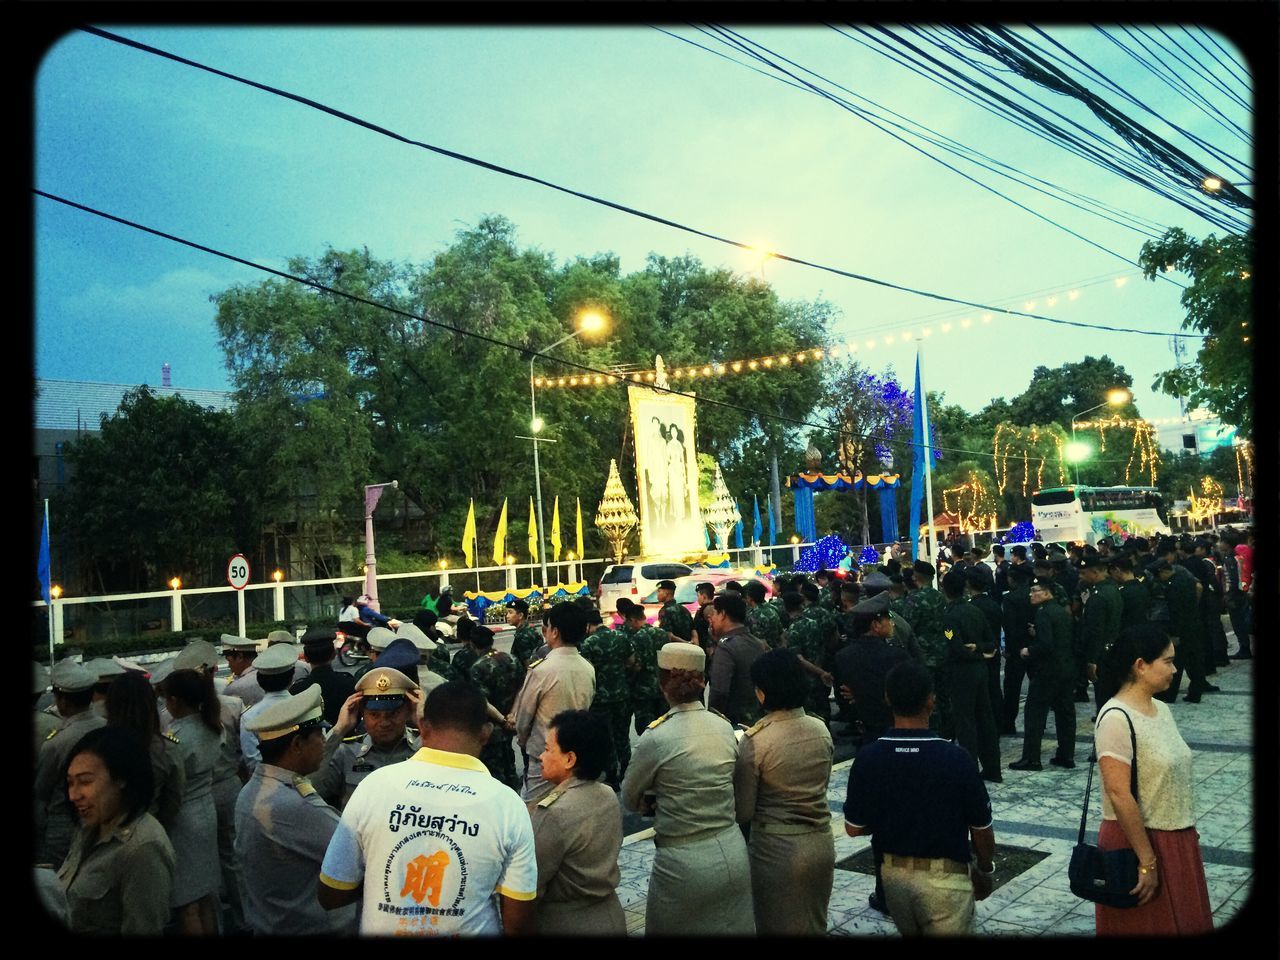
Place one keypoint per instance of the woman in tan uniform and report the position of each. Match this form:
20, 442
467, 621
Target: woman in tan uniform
780, 788
577, 831
681, 772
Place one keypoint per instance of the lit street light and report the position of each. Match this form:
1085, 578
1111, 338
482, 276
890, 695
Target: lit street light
1116, 397
589, 321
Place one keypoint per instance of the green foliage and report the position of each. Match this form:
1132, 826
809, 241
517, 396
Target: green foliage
1218, 303
159, 491
1180, 474
1055, 395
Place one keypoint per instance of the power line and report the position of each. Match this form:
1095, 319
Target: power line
963, 151
1199, 69
496, 168
484, 338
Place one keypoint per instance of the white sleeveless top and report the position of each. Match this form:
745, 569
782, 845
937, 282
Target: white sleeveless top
1164, 764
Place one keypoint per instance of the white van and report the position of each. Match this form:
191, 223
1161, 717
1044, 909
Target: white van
635, 581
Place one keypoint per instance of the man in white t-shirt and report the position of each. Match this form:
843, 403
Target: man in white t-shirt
432, 845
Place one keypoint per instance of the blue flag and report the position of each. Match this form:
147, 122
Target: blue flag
772, 539
917, 465
737, 528
43, 563
755, 527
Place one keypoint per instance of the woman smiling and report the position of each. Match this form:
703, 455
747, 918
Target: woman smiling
118, 874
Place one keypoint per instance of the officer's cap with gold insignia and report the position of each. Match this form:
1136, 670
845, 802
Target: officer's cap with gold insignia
682, 656
71, 677
277, 659
283, 717
379, 637
234, 644
39, 678
384, 688
196, 655
280, 636
105, 670
420, 640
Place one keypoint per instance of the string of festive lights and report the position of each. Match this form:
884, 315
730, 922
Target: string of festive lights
1128, 422
1244, 468
972, 504
1145, 449
1034, 443
709, 369
1209, 502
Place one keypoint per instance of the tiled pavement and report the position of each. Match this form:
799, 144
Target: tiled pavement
1042, 811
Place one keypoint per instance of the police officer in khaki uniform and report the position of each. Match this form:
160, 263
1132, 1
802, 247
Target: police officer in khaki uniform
780, 788
240, 653
681, 773
385, 699
300, 667
105, 670
378, 639
73, 696
283, 827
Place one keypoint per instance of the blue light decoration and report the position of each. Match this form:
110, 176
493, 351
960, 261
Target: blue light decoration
826, 554
869, 555
1023, 532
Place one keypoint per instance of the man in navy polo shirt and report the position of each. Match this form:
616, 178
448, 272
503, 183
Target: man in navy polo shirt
924, 800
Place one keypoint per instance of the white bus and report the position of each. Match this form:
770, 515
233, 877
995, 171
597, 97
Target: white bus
1087, 514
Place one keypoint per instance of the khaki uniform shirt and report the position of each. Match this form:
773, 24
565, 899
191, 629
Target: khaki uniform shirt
45, 724
347, 762
282, 832
783, 769
54, 826
564, 680
686, 759
577, 832
120, 885
245, 686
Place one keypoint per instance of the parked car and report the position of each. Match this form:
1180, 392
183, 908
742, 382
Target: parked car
635, 580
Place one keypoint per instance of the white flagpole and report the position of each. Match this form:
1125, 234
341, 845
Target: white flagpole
928, 461
50, 536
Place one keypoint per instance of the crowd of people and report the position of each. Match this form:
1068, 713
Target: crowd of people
304, 800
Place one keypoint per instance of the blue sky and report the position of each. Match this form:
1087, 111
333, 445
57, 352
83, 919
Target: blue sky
626, 113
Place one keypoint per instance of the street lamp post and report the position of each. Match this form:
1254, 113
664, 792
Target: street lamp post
372, 493
589, 321
1115, 398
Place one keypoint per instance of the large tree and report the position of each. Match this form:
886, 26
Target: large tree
1219, 304
166, 488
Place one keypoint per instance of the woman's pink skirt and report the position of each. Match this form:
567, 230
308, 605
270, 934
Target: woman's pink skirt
1181, 907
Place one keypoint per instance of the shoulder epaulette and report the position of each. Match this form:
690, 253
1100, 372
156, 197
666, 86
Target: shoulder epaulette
755, 728
303, 786
720, 715
168, 735
550, 798
660, 721
53, 733
534, 663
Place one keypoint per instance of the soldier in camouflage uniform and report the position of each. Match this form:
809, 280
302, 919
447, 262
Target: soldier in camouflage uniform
803, 636
527, 639
609, 651
922, 609
762, 620
673, 617
498, 675
828, 645
465, 658
646, 699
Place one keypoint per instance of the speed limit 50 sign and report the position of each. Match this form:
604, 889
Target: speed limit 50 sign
238, 571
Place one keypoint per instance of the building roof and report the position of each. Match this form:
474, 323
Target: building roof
72, 404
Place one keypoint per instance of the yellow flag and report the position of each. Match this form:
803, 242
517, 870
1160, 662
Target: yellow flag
500, 538
533, 533
555, 531
469, 535
580, 553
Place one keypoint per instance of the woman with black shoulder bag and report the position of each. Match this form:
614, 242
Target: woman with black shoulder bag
1159, 824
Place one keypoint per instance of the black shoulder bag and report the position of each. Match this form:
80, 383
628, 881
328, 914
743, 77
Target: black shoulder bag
1105, 876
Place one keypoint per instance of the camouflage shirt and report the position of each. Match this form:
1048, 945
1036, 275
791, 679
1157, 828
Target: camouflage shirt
645, 644
674, 618
463, 661
438, 662
763, 622
804, 637
523, 644
923, 611
498, 675
608, 651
